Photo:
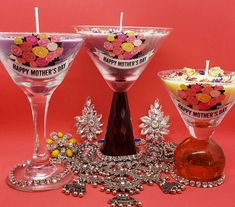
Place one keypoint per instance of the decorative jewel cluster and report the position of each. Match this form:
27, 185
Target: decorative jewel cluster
88, 124
61, 146
125, 45
201, 97
36, 50
122, 175
155, 125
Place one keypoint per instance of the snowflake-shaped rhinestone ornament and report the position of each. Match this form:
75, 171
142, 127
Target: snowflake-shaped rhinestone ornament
88, 124
61, 146
155, 125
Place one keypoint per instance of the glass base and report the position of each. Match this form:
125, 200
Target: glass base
199, 160
26, 177
198, 184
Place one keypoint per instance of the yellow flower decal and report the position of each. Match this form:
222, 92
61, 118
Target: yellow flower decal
40, 51
130, 34
189, 71
42, 36
216, 72
183, 87
18, 40
127, 46
110, 38
204, 98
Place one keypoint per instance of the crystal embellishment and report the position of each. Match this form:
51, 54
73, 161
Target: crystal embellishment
88, 124
155, 125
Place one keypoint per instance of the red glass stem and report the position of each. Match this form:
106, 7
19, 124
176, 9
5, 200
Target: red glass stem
119, 139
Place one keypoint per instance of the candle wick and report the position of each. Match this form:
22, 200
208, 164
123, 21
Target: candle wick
36, 20
121, 20
207, 67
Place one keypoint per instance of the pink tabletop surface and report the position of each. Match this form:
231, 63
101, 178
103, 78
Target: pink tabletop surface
202, 30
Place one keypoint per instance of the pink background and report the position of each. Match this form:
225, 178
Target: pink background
202, 30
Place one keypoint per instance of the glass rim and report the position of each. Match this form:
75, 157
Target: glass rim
124, 27
49, 33
162, 72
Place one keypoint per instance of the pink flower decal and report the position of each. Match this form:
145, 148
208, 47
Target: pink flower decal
140, 36
220, 98
42, 62
215, 93
117, 51
127, 55
108, 45
32, 39
131, 39
20, 60
195, 107
207, 89
190, 92
182, 94
201, 96
135, 51
196, 87
219, 88
59, 51
26, 46
15, 50
203, 106
28, 56
212, 102
192, 100
111, 54
122, 37
116, 43
55, 39
120, 57
33, 64
51, 56
43, 42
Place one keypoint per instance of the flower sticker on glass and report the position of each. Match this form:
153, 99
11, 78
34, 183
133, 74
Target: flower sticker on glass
36, 50
201, 97
124, 45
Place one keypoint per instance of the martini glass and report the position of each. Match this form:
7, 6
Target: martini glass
38, 64
202, 105
121, 56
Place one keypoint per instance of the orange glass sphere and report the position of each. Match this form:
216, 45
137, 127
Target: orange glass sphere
199, 160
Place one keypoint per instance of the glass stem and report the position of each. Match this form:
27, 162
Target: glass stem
39, 105
119, 139
201, 132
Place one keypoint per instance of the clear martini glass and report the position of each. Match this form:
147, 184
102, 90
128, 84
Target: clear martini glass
121, 56
202, 105
38, 64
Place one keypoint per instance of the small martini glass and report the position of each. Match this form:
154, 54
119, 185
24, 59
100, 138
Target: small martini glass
202, 105
38, 64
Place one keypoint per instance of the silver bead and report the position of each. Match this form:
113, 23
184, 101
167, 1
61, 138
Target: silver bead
80, 195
